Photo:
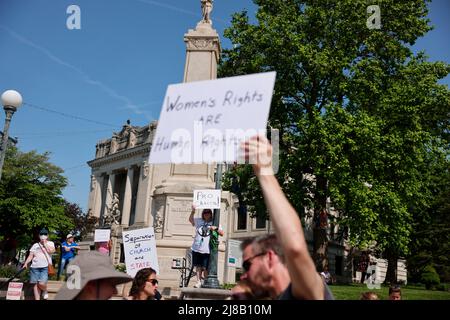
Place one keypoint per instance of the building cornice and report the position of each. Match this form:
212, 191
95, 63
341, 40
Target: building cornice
143, 149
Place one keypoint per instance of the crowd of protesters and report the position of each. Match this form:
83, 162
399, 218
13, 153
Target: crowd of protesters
275, 266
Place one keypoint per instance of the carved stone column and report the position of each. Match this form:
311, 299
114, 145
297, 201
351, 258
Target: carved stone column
95, 195
142, 212
158, 219
109, 192
127, 198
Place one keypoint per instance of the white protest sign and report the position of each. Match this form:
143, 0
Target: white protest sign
206, 121
207, 199
14, 291
140, 250
102, 235
234, 253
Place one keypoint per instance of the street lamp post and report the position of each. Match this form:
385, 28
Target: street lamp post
11, 100
211, 281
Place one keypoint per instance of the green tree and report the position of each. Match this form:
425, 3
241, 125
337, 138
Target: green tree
431, 233
82, 222
30, 195
355, 108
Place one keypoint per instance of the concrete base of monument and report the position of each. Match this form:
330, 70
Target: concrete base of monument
204, 294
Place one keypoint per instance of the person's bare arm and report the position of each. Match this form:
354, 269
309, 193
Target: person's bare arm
191, 216
306, 282
28, 260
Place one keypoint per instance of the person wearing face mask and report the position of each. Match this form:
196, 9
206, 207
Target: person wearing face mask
40, 256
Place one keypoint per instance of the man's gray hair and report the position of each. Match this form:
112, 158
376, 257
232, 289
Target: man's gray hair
265, 243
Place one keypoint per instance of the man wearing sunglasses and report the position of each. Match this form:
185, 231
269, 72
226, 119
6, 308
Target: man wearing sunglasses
279, 265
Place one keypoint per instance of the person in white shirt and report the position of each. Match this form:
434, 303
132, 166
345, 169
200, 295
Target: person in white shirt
326, 276
200, 246
40, 257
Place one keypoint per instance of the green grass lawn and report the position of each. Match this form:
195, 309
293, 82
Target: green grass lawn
353, 292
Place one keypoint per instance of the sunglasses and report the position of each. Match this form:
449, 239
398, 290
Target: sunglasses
246, 265
153, 281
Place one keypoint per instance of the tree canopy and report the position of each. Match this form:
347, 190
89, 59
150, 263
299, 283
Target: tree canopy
30, 195
358, 112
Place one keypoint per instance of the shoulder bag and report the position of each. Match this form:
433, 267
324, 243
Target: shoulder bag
51, 268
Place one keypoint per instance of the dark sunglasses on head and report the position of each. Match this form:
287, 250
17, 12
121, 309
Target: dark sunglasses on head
248, 262
153, 281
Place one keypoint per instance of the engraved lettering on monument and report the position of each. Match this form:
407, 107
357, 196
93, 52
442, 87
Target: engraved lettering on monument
179, 213
201, 44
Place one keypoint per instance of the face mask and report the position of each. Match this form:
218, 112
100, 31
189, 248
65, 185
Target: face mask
43, 237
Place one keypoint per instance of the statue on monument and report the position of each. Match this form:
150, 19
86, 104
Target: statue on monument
207, 6
125, 130
131, 138
97, 150
113, 146
128, 133
113, 212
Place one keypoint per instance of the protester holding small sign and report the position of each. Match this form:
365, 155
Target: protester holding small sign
200, 248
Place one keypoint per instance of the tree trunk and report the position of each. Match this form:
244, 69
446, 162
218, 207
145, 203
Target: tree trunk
320, 228
391, 273
320, 248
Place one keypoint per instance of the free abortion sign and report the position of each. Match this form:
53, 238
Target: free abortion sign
140, 250
207, 199
206, 121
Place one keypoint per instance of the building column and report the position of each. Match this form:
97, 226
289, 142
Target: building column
109, 192
96, 204
142, 211
126, 208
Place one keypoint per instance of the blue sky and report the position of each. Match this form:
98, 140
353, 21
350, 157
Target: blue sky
117, 67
